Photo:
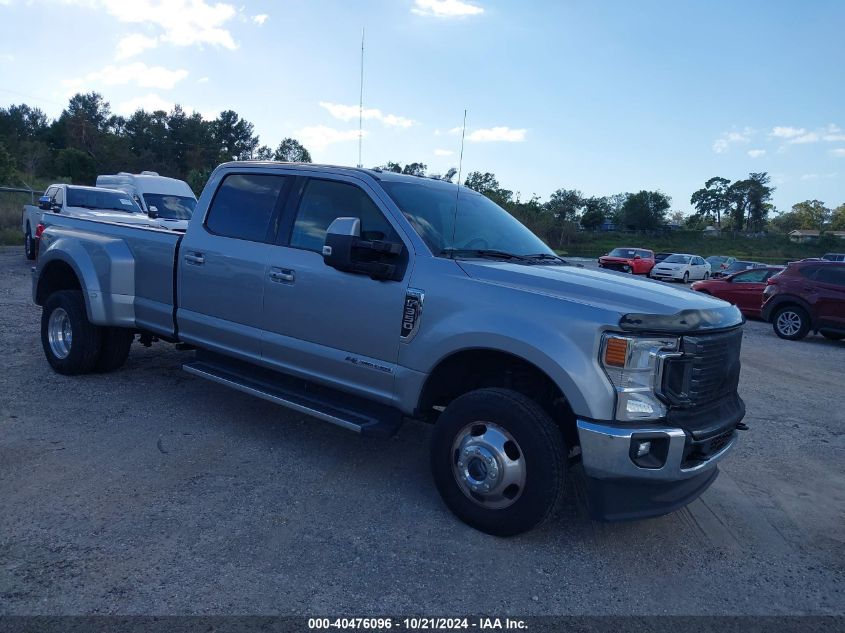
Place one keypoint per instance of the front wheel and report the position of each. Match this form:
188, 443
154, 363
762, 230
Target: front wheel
497, 459
29, 243
686, 277
791, 323
71, 342
706, 276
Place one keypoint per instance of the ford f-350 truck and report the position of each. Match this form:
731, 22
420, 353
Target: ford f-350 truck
365, 298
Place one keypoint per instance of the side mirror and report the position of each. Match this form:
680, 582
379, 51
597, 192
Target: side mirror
152, 212
44, 203
345, 250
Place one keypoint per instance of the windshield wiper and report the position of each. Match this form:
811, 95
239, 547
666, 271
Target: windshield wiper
483, 253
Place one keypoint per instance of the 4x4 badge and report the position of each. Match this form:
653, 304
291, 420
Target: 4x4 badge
411, 313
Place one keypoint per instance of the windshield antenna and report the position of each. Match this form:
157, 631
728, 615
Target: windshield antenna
458, 191
361, 104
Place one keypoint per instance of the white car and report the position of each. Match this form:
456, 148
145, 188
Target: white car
681, 267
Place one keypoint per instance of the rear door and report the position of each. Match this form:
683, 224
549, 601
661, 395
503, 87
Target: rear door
745, 290
223, 263
335, 327
829, 282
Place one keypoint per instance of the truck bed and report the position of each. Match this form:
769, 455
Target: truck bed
126, 272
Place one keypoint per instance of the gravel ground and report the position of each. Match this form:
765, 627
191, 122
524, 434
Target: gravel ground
149, 491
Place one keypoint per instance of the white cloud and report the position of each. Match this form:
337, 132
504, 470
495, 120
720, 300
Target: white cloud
724, 142
260, 19
788, 132
756, 153
502, 133
443, 152
817, 176
809, 137
137, 72
149, 102
134, 44
319, 137
838, 152
203, 80
182, 22
350, 113
809, 176
446, 8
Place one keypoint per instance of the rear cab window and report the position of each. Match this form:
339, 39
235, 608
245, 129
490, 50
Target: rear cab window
246, 207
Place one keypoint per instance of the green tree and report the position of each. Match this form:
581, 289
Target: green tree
595, 212
645, 210
487, 184
712, 201
837, 218
234, 136
415, 169
786, 222
292, 151
812, 214
76, 165
750, 201
7, 166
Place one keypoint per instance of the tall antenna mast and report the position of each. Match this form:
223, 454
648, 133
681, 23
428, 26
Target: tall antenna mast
361, 105
458, 188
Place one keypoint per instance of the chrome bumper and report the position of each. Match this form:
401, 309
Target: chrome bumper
605, 454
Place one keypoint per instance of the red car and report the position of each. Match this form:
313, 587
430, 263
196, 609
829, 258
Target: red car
808, 295
638, 261
743, 289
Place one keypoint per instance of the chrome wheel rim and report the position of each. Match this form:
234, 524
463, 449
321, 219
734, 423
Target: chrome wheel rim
488, 465
789, 323
59, 333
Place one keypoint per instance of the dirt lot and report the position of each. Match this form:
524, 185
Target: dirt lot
150, 491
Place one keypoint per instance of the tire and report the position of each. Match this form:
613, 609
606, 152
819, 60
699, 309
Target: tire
29, 243
706, 276
686, 278
114, 349
791, 322
71, 342
531, 456
833, 336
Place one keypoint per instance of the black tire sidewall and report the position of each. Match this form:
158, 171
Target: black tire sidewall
539, 440
29, 243
805, 323
85, 347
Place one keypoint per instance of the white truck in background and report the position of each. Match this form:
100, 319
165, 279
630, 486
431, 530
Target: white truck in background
92, 203
168, 202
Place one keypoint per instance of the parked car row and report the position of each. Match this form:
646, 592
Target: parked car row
802, 297
144, 199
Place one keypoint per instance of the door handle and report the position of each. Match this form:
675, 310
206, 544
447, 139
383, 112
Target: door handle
282, 275
195, 258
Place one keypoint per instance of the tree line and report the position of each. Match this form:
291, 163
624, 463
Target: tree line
87, 139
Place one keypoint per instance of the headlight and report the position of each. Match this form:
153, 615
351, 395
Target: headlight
632, 364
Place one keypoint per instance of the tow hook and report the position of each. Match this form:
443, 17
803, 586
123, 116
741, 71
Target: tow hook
742, 426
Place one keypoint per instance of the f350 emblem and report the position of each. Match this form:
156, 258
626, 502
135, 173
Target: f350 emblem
411, 313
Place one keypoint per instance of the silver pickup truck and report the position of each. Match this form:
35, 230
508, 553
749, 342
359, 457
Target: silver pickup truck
364, 298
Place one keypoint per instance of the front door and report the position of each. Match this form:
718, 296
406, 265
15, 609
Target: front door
335, 327
223, 263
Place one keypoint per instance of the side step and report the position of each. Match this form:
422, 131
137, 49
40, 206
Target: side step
350, 412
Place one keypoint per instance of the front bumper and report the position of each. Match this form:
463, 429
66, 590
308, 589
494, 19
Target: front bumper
619, 489
666, 274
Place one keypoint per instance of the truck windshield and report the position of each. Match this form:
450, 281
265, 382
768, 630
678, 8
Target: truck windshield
171, 207
101, 199
480, 224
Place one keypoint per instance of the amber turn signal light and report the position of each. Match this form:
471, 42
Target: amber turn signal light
615, 352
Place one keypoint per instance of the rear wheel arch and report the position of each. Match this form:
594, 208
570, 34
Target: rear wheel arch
55, 276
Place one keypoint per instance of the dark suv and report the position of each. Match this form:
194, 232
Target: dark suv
808, 295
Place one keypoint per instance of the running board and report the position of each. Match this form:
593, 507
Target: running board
344, 410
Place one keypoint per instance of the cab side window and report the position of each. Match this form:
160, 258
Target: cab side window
323, 201
59, 198
244, 206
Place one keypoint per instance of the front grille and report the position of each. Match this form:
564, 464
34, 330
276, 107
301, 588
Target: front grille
707, 371
615, 266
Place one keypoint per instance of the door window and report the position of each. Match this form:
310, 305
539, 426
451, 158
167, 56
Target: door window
833, 275
244, 207
323, 201
59, 198
752, 277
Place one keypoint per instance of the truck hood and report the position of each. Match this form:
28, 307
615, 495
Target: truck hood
616, 292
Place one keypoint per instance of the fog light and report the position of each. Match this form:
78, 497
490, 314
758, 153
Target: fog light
643, 448
649, 450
